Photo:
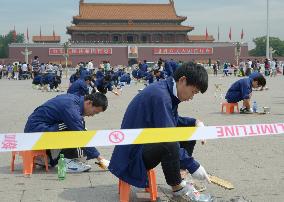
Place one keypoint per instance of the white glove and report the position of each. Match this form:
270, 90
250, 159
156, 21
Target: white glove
201, 174
199, 123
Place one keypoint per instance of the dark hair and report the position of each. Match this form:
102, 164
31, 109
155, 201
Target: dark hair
98, 100
195, 74
107, 78
102, 89
88, 78
261, 81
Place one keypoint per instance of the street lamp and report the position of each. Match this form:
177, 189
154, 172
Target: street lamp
237, 51
66, 47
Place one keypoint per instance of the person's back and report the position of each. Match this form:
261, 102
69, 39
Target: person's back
174, 65
125, 78
84, 73
61, 109
79, 88
144, 67
66, 113
122, 155
156, 107
239, 90
168, 68
37, 80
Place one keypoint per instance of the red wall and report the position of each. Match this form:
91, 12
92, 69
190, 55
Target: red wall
221, 51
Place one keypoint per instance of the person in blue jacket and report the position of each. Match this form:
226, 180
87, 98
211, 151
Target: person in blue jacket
104, 85
144, 67
241, 90
74, 77
125, 78
65, 113
80, 87
168, 68
157, 107
159, 74
83, 71
37, 80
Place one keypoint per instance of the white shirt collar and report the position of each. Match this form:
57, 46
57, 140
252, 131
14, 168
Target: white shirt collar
175, 89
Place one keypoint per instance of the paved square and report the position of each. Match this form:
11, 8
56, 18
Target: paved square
255, 166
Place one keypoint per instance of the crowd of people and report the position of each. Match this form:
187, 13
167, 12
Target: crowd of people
245, 68
168, 83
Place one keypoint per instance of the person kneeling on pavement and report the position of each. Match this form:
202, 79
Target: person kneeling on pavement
65, 113
156, 106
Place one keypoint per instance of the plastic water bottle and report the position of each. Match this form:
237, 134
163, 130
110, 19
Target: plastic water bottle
61, 168
254, 107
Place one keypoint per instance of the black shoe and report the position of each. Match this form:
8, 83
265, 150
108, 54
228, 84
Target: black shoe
245, 111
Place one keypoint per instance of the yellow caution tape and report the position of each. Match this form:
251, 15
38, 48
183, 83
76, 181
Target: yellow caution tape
73, 139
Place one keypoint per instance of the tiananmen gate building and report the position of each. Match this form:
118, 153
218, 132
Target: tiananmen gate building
119, 33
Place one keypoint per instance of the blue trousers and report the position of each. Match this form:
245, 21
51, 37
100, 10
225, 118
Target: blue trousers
89, 152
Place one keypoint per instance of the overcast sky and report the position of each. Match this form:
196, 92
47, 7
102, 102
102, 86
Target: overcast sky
247, 14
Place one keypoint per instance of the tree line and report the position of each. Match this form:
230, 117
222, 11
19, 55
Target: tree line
7, 39
260, 46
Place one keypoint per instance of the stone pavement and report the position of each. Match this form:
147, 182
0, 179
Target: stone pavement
255, 166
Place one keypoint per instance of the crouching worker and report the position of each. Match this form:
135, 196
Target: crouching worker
80, 87
241, 90
157, 107
65, 113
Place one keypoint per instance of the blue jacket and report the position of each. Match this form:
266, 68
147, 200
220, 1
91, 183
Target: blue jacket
154, 107
83, 73
174, 65
168, 68
79, 88
73, 78
149, 77
101, 83
125, 78
99, 75
66, 108
37, 79
134, 73
144, 67
240, 90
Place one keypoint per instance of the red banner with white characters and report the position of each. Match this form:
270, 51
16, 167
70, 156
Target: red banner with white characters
81, 51
183, 51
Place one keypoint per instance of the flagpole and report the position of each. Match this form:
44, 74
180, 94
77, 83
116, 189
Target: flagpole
267, 31
218, 34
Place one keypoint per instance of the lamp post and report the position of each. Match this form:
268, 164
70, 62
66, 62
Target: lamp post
26, 53
237, 51
66, 47
267, 31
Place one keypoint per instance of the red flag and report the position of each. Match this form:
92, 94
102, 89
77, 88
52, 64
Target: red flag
242, 34
230, 34
206, 34
28, 38
14, 34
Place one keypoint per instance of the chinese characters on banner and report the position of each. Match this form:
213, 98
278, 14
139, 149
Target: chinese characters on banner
81, 51
183, 51
9, 142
